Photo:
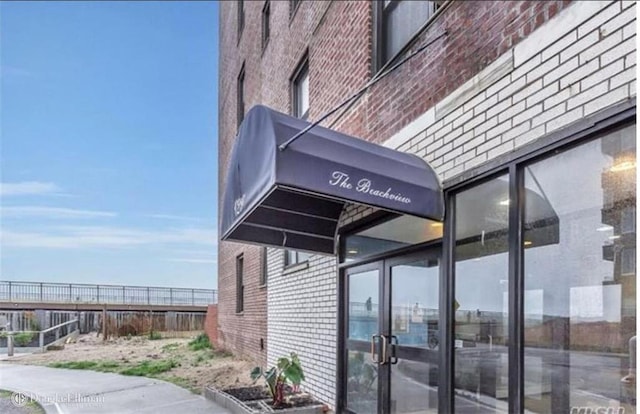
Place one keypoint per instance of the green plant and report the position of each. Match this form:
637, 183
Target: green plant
287, 370
154, 336
23, 338
150, 368
201, 342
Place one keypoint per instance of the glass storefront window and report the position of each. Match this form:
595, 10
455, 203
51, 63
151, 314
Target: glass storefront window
481, 298
580, 290
391, 235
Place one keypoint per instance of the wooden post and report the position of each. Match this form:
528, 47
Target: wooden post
104, 322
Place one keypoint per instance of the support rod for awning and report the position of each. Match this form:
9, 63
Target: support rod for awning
360, 92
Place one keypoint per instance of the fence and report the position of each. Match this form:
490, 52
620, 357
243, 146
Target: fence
40, 339
110, 294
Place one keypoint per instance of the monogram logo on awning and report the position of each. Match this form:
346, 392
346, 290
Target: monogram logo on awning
238, 204
365, 186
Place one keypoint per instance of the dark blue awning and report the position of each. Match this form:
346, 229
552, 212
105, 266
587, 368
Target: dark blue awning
293, 198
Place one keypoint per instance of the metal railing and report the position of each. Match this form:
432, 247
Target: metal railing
45, 292
41, 339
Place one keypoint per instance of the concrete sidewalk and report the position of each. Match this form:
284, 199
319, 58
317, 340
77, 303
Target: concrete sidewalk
66, 391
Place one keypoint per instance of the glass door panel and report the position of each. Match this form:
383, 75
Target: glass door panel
413, 326
363, 344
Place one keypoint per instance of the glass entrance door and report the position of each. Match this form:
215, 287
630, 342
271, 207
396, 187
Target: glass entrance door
392, 342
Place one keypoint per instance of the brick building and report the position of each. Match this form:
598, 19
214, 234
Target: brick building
517, 102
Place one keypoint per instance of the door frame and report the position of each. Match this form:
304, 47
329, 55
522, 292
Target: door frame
383, 263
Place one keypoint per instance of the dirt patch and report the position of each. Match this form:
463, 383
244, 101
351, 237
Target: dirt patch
192, 369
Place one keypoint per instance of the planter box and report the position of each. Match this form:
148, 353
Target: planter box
255, 406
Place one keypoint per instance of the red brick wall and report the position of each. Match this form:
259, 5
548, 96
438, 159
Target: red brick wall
211, 324
338, 38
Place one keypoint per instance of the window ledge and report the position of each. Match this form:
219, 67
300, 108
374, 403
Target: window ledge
262, 286
295, 267
240, 313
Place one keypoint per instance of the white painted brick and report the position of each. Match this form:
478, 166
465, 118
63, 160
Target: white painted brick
477, 160
516, 131
490, 123
529, 136
632, 88
452, 172
604, 73
452, 116
614, 96
543, 94
579, 73
512, 88
527, 67
563, 95
432, 147
452, 154
543, 69
442, 131
622, 78
487, 103
487, 145
526, 115
463, 138
581, 45
501, 149
629, 30
622, 49
499, 85
474, 122
564, 120
598, 19
511, 111
528, 90
569, 39
443, 150
452, 135
466, 156
498, 130
548, 114
602, 46
472, 144
434, 127
630, 60
498, 108
619, 21
463, 119
568, 19
588, 95
628, 3
474, 101
560, 71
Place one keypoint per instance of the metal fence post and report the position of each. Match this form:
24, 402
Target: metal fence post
193, 297
70, 293
148, 297
98, 293
170, 296
41, 292
123, 299
9, 290
41, 340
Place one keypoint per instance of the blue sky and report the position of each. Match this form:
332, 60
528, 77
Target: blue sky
108, 154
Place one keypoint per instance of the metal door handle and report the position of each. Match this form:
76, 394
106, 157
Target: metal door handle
394, 342
384, 358
373, 348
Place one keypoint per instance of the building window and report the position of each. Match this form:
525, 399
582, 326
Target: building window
240, 4
628, 220
481, 335
301, 90
576, 305
240, 97
264, 267
293, 6
266, 16
397, 22
240, 283
628, 261
292, 257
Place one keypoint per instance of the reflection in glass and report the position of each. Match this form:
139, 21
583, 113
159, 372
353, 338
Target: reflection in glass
481, 298
391, 235
414, 323
580, 292
362, 382
414, 306
413, 388
362, 308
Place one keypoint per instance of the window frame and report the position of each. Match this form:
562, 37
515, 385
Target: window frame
264, 267
240, 98
266, 24
289, 264
301, 69
240, 283
378, 60
586, 130
240, 18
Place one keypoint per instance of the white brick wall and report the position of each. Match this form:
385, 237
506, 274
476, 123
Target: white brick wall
580, 62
